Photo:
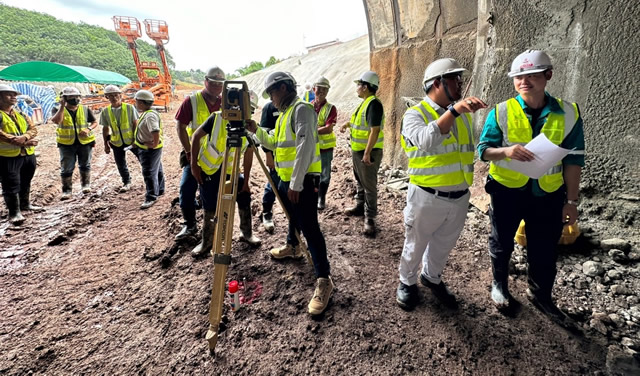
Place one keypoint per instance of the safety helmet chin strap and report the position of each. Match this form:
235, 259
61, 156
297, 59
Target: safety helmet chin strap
446, 90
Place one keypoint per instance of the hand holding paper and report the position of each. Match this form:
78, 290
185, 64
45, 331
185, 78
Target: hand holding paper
547, 154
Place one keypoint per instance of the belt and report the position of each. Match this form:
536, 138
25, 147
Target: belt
454, 194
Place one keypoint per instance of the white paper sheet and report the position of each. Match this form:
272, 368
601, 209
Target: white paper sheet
547, 154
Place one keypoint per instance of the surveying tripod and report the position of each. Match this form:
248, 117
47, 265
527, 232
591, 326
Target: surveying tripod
225, 210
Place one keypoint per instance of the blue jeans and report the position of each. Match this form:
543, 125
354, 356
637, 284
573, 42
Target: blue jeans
209, 192
151, 161
68, 156
326, 156
188, 189
304, 216
268, 198
120, 156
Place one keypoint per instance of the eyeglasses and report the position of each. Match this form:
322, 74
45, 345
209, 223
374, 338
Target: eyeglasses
453, 76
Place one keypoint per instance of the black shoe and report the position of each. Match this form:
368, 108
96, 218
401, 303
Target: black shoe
407, 296
554, 313
440, 291
355, 211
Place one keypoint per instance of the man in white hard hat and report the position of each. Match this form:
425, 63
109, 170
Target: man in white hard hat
367, 139
206, 161
297, 161
148, 138
75, 139
327, 118
193, 111
545, 204
437, 136
309, 94
17, 159
118, 122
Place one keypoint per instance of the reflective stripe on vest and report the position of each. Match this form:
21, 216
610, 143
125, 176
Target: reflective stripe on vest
517, 129
285, 139
10, 127
360, 128
122, 129
327, 140
449, 163
212, 149
135, 136
199, 112
66, 132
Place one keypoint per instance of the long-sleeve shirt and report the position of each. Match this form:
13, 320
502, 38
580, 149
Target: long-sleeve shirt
31, 132
306, 131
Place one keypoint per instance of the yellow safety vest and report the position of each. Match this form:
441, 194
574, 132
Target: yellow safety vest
360, 128
327, 140
211, 153
516, 129
199, 111
285, 138
135, 136
121, 130
10, 127
66, 132
449, 163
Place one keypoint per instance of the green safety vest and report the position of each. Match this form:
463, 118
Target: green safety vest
121, 130
360, 128
10, 127
327, 140
211, 153
285, 138
517, 129
143, 146
66, 132
449, 163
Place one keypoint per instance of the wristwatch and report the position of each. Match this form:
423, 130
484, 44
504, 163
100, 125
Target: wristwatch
573, 202
453, 111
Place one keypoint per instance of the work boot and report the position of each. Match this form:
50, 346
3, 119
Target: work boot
25, 203
287, 250
440, 291
500, 284
147, 204
13, 204
355, 211
67, 184
208, 227
189, 227
322, 195
246, 228
369, 226
126, 187
267, 218
407, 296
321, 296
85, 178
546, 306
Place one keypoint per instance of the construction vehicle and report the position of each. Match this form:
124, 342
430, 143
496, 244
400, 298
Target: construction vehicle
157, 81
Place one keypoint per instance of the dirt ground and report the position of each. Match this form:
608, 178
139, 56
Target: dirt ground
97, 286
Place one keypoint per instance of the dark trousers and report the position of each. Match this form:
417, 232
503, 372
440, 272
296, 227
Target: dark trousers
120, 156
188, 188
304, 216
543, 227
16, 173
70, 153
268, 198
151, 161
209, 192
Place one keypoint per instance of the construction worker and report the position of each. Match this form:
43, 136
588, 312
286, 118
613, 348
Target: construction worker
268, 122
437, 136
193, 112
75, 139
118, 122
297, 161
327, 118
367, 139
545, 204
309, 94
148, 139
207, 158
17, 159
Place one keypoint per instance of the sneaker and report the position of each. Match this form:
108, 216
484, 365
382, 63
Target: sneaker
267, 222
407, 296
440, 291
500, 295
287, 250
369, 226
147, 204
355, 211
321, 296
125, 188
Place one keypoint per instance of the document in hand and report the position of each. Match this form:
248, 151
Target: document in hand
547, 154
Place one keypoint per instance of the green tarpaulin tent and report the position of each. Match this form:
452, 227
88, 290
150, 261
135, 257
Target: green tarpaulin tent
53, 72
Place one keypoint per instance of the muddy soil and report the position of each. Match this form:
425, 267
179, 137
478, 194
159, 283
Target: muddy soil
97, 286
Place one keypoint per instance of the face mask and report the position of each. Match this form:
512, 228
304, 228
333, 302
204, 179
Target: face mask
73, 101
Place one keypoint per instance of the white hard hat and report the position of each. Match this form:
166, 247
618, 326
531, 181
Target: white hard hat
370, 78
323, 82
144, 95
4, 87
307, 86
215, 74
111, 89
254, 99
440, 68
70, 90
530, 61
274, 78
